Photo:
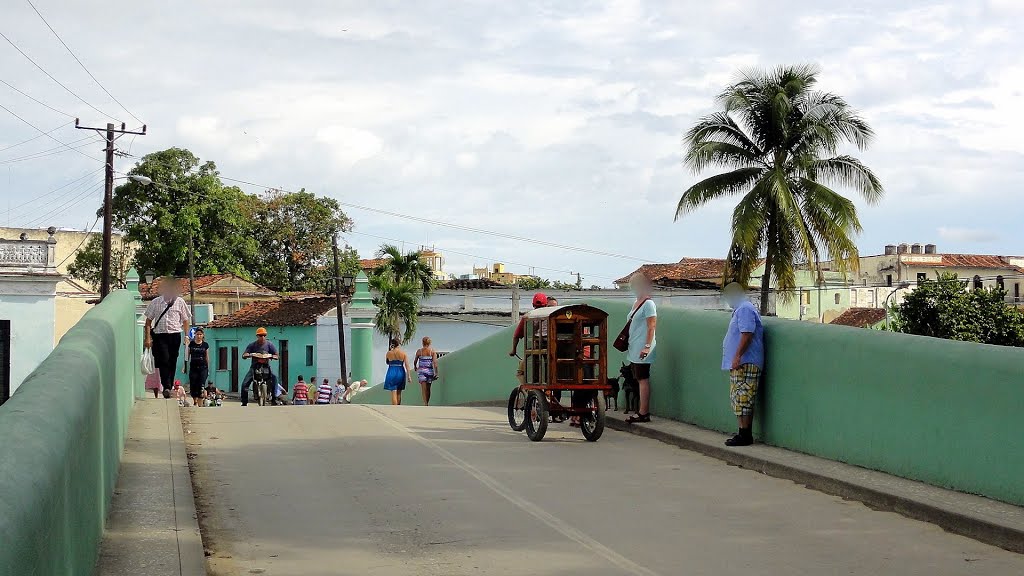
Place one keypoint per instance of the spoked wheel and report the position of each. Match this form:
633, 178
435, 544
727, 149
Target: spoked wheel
592, 423
536, 415
517, 409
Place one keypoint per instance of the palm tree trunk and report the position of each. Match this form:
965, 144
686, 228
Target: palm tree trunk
766, 279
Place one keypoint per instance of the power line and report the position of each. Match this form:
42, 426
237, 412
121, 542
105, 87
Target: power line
37, 129
34, 99
82, 243
32, 139
64, 207
53, 151
80, 63
50, 76
462, 228
55, 190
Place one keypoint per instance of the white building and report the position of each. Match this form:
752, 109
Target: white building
28, 289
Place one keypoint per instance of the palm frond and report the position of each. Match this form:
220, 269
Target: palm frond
717, 186
850, 172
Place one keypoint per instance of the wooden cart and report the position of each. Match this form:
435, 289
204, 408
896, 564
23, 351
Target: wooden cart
565, 351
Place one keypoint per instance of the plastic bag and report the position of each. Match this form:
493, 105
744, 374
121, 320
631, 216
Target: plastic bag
148, 365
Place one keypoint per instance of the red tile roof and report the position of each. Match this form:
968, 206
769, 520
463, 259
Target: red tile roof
687, 273
201, 283
860, 317
975, 261
472, 284
284, 312
372, 263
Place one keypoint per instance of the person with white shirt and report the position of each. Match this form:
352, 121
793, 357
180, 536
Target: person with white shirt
167, 316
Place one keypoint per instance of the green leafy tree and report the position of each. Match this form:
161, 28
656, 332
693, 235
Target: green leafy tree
533, 283
293, 234
408, 267
398, 306
945, 308
88, 262
778, 140
186, 201
567, 286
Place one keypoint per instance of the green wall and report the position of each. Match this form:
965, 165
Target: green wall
933, 410
61, 436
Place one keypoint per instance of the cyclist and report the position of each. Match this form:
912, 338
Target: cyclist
260, 346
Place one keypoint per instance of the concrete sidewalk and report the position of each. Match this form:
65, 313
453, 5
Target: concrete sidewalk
983, 519
152, 528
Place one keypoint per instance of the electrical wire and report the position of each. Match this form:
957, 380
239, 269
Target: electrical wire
32, 139
57, 150
80, 63
34, 99
50, 76
50, 136
82, 243
76, 181
66, 206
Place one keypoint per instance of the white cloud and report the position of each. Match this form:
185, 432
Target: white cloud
968, 235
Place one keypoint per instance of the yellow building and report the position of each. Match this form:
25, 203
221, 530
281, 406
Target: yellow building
497, 273
435, 260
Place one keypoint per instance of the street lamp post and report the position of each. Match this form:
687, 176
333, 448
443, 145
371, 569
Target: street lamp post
339, 283
885, 304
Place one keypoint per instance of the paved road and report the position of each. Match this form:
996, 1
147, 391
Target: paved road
316, 491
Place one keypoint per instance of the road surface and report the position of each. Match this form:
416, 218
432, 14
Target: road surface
328, 490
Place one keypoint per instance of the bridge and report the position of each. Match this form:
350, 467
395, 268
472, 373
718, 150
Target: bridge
882, 454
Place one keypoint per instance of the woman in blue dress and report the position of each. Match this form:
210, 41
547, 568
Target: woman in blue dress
398, 371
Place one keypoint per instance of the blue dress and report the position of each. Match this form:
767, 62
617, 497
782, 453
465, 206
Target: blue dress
395, 378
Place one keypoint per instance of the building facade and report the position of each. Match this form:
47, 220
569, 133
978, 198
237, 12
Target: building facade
28, 291
225, 294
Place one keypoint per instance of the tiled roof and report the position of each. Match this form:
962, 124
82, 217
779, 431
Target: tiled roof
151, 291
474, 284
860, 317
975, 261
284, 312
372, 263
688, 272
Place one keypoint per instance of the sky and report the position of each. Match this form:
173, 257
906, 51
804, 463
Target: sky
555, 121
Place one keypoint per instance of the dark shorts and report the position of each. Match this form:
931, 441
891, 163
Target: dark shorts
641, 371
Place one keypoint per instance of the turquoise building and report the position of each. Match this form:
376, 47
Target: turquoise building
291, 326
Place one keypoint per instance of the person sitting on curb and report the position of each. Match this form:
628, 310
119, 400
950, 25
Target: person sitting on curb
743, 357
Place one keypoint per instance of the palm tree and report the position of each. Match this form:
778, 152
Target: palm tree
408, 267
779, 139
398, 305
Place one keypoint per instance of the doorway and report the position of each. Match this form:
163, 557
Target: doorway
234, 368
284, 364
5, 360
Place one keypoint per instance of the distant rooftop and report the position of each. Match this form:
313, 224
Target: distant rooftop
284, 312
860, 317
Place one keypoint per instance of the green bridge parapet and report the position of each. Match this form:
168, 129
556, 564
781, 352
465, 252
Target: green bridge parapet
61, 438
941, 412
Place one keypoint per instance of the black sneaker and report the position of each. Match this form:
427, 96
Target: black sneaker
739, 440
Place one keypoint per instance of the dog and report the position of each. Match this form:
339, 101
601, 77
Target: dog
611, 397
632, 388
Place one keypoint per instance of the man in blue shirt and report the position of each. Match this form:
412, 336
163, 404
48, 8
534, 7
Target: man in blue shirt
260, 346
743, 357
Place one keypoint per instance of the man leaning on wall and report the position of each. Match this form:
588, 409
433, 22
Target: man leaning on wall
743, 357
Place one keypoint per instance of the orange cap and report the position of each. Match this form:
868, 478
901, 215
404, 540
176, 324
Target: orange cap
261, 331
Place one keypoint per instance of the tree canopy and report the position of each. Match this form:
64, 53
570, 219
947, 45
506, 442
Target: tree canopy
778, 140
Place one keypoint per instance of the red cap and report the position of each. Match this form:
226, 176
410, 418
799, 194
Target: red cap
540, 300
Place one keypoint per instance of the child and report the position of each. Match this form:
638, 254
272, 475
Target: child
323, 393
179, 393
213, 395
300, 393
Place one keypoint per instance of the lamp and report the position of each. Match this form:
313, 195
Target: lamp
347, 282
149, 277
141, 179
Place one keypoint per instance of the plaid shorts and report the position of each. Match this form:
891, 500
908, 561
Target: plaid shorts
743, 388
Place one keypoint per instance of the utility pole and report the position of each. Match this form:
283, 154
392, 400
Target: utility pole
341, 313
192, 275
111, 134
515, 303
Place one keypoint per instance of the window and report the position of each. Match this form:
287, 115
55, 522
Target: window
999, 283
921, 277
1016, 290
888, 279
222, 358
309, 355
977, 282
837, 297
805, 297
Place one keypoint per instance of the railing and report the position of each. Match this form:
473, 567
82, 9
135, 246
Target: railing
62, 434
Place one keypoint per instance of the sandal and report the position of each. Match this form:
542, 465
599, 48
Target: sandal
638, 418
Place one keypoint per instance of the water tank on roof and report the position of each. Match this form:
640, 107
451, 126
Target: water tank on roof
931, 249
917, 249
890, 249
903, 248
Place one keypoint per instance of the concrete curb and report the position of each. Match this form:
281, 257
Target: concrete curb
982, 519
186, 518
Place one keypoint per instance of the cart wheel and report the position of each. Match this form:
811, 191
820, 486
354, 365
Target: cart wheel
536, 415
517, 409
592, 423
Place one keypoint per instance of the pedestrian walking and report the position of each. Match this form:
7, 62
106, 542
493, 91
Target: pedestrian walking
426, 368
167, 316
198, 365
398, 371
643, 323
323, 392
743, 358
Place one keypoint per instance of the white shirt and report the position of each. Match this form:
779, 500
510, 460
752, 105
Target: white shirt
174, 320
